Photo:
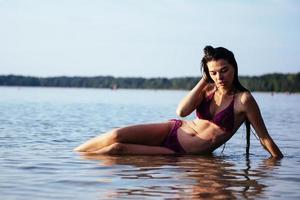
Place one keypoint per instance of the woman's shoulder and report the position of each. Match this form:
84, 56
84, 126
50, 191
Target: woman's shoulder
245, 99
244, 96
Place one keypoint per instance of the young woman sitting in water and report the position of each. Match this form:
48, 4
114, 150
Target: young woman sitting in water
222, 104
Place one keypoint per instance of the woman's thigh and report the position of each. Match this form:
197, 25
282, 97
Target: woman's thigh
146, 134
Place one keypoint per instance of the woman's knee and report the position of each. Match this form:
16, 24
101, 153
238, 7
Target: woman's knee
116, 148
117, 135
114, 135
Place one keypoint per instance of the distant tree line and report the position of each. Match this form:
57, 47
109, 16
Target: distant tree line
275, 82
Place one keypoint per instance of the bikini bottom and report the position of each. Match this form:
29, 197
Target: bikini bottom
171, 140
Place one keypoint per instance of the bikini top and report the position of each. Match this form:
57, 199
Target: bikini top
223, 119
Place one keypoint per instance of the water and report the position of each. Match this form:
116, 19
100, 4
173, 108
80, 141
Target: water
39, 127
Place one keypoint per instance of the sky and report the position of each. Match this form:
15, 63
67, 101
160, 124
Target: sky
145, 38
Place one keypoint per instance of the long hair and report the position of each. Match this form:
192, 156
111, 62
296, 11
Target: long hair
210, 54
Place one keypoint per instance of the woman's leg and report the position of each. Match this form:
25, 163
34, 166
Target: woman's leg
145, 134
130, 149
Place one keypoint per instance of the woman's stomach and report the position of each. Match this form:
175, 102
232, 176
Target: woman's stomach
201, 136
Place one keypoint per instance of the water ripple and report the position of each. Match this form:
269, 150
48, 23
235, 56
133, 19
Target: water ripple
38, 131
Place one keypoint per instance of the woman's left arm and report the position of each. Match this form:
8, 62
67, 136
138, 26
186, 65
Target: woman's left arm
254, 116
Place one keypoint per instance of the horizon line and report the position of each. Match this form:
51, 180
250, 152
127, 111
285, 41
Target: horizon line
184, 76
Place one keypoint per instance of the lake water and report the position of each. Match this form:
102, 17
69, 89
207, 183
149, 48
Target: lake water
39, 127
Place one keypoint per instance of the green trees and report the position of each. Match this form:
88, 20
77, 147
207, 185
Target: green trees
273, 82
269, 82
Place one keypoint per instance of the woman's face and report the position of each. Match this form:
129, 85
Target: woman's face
221, 72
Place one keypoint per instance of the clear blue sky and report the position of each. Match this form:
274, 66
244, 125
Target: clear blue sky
148, 38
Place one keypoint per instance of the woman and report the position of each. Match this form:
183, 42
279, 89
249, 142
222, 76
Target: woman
222, 104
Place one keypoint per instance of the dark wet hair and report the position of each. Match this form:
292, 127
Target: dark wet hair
210, 54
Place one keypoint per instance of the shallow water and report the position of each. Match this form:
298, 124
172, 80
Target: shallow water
39, 127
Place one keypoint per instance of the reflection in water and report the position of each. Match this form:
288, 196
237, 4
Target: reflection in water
192, 177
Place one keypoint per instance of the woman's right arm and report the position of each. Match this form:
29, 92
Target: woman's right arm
254, 116
189, 103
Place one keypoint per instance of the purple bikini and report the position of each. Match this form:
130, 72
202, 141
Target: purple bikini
224, 119
171, 140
